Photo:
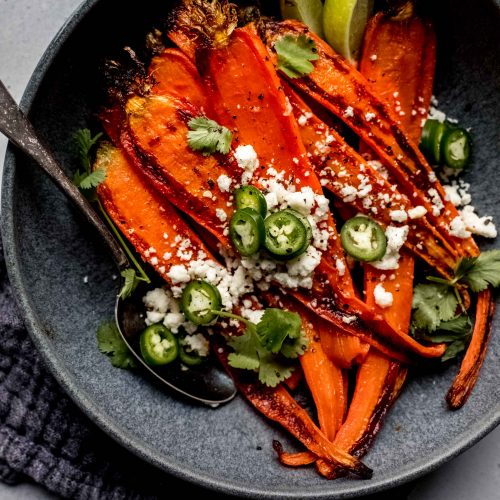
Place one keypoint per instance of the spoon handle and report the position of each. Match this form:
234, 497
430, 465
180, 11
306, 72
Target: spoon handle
19, 130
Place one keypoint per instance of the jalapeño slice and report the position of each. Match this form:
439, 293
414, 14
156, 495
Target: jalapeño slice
199, 298
363, 239
158, 345
456, 148
286, 235
247, 231
250, 197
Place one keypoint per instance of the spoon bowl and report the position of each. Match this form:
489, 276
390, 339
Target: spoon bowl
206, 383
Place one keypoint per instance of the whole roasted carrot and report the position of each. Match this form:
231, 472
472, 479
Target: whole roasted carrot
466, 378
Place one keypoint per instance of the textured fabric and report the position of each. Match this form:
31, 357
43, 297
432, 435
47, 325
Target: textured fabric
46, 439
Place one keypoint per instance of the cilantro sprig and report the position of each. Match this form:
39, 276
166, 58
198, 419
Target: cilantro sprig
110, 343
295, 54
87, 179
435, 304
208, 137
268, 347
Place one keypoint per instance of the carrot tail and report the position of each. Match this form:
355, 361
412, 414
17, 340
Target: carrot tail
293, 459
344, 350
466, 378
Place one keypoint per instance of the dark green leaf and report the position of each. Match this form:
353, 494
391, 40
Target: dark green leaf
130, 284
93, 179
208, 137
454, 349
110, 343
454, 329
432, 304
482, 271
275, 326
85, 142
295, 54
293, 348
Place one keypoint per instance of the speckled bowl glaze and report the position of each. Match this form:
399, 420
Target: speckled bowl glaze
50, 250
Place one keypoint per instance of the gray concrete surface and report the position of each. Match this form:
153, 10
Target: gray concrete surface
26, 28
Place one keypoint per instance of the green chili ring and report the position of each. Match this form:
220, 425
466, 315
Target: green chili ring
363, 239
158, 345
198, 300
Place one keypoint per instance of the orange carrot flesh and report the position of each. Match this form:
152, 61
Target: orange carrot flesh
157, 128
174, 74
145, 219
466, 378
341, 168
347, 94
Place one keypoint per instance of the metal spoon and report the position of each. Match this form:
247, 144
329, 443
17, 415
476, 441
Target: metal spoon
206, 383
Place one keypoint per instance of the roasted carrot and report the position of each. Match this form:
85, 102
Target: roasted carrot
149, 222
293, 381
336, 85
466, 378
361, 187
225, 69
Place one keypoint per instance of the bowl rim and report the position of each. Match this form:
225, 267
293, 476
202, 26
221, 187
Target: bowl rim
107, 424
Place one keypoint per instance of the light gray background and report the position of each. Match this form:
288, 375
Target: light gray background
26, 28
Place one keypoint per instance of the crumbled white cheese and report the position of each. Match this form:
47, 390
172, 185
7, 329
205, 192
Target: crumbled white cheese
221, 214
224, 183
178, 274
340, 265
437, 202
303, 119
417, 212
382, 297
482, 226
373, 57
398, 215
396, 237
349, 111
458, 228
197, 343
246, 157
370, 116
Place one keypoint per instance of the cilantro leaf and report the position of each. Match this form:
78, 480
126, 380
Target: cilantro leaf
293, 348
269, 346
275, 326
479, 272
208, 137
454, 329
110, 343
246, 355
432, 304
295, 54
85, 142
131, 283
93, 179
454, 349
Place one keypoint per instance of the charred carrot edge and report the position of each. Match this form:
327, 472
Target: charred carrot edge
293, 459
466, 378
146, 220
344, 91
277, 404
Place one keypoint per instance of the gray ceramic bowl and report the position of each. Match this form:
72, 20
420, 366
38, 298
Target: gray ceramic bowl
50, 251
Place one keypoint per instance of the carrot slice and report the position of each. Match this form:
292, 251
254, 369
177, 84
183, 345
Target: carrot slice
149, 222
336, 85
466, 378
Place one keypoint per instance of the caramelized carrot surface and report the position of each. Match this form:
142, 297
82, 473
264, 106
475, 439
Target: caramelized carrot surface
466, 378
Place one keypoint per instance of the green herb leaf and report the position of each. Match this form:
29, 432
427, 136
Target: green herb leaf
208, 137
432, 304
454, 349
454, 329
293, 348
85, 142
131, 283
479, 272
93, 179
269, 346
295, 54
110, 343
275, 326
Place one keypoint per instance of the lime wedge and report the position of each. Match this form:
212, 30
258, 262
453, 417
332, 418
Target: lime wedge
344, 23
310, 12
